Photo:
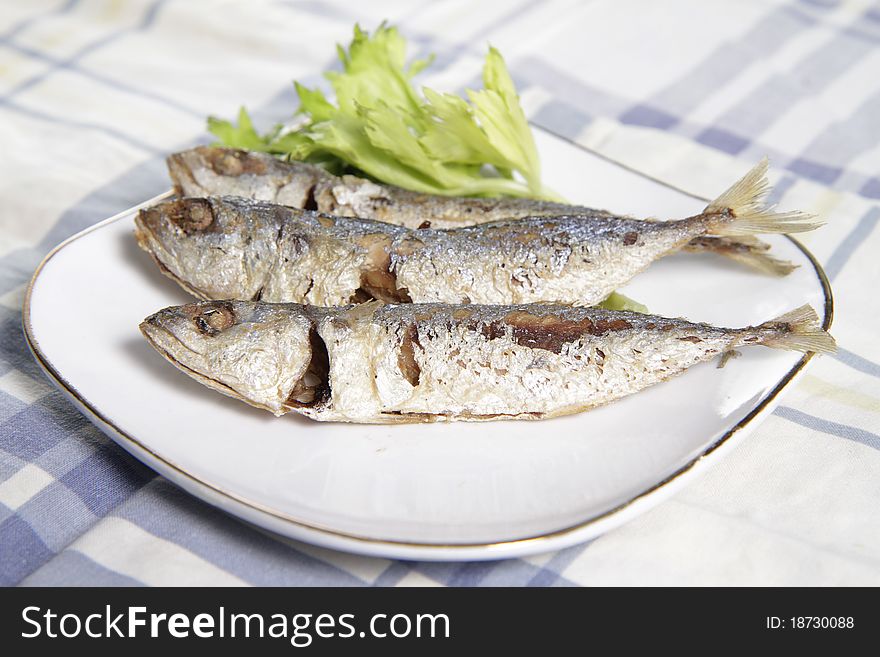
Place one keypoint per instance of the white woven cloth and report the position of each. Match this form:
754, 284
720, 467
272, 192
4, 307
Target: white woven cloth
94, 93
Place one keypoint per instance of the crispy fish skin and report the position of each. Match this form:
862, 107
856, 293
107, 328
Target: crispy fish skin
558, 259
245, 249
214, 171
376, 363
237, 248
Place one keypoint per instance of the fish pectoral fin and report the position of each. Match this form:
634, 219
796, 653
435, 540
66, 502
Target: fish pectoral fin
726, 356
745, 249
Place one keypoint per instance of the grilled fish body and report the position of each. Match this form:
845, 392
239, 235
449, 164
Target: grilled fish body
236, 248
212, 171
375, 363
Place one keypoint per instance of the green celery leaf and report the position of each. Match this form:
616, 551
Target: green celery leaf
313, 103
242, 135
498, 110
617, 301
374, 70
386, 129
380, 125
452, 135
345, 138
295, 145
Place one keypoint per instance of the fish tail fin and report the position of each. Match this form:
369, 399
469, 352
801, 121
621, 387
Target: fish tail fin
797, 330
746, 250
741, 209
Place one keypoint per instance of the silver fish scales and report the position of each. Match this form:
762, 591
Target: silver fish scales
238, 248
376, 363
214, 171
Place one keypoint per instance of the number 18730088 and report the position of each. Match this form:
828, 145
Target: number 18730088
810, 622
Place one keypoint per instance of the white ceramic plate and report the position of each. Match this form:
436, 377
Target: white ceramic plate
453, 491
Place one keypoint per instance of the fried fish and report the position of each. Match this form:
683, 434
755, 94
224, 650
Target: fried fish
236, 248
377, 363
214, 171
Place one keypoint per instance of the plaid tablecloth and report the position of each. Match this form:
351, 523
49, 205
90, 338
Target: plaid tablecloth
94, 93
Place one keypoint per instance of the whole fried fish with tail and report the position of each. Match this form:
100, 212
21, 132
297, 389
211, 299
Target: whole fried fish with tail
213, 171
235, 248
375, 363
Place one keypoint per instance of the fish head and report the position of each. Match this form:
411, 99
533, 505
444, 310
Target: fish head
209, 246
216, 171
188, 170
207, 170
267, 356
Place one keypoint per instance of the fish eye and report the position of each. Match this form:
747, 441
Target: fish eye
191, 215
214, 320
